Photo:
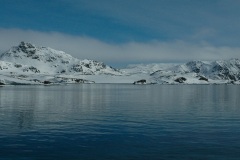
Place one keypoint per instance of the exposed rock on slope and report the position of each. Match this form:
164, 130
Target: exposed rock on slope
142, 81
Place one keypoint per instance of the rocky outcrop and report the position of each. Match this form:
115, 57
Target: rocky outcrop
180, 80
2, 82
142, 81
203, 78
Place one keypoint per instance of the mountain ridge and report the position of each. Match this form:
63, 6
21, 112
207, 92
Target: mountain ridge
30, 64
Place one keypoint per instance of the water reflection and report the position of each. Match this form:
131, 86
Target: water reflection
27, 104
150, 119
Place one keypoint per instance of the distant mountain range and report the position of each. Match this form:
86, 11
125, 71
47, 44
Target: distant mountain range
29, 64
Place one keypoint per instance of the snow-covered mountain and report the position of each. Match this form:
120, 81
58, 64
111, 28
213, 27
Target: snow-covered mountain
225, 71
29, 64
216, 70
42, 60
28, 60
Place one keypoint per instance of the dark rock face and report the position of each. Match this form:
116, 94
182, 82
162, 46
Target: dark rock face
63, 71
77, 68
51, 59
79, 80
2, 82
65, 62
142, 81
195, 66
27, 48
87, 65
100, 64
180, 79
25, 45
225, 73
203, 78
154, 73
18, 65
47, 82
33, 69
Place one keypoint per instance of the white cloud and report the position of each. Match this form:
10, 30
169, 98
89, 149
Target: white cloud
117, 54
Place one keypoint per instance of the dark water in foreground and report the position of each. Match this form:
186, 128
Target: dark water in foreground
104, 121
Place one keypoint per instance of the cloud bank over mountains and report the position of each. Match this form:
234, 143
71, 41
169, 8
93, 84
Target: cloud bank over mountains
119, 54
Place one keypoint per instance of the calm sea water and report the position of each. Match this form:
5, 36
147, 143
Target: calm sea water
107, 121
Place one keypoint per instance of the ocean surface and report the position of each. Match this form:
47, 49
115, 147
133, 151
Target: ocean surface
118, 121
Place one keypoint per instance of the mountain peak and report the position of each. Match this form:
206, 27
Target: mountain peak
26, 44
25, 47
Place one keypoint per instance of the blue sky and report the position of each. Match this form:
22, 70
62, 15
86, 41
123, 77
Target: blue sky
126, 31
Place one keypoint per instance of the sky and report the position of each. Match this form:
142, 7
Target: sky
121, 32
